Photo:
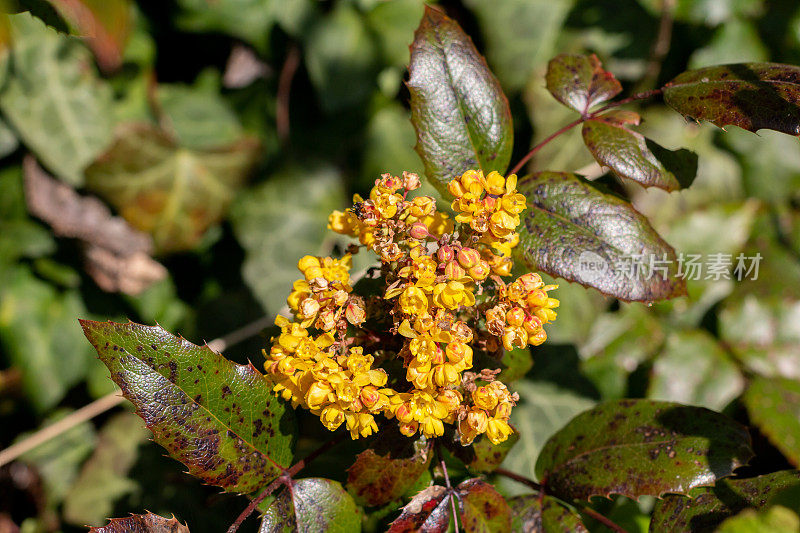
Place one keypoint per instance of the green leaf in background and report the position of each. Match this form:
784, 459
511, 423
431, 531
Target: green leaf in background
736, 41
655, 447
544, 515
580, 82
482, 456
312, 504
428, 511
630, 155
708, 12
142, 523
103, 478
250, 20
294, 205
543, 410
573, 231
218, 418
706, 507
773, 520
41, 337
200, 118
393, 24
458, 109
389, 144
515, 364
774, 406
481, 508
520, 35
170, 191
752, 96
54, 99
386, 470
694, 369
8, 140
341, 59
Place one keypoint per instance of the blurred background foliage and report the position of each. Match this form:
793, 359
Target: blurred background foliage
224, 133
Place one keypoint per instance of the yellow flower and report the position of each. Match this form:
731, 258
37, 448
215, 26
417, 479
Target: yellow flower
452, 295
413, 301
473, 424
484, 398
318, 395
498, 430
332, 417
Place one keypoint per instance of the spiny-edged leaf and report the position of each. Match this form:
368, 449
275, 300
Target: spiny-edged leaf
544, 515
312, 504
481, 508
752, 96
774, 406
706, 507
573, 231
630, 155
172, 192
482, 455
103, 479
142, 523
428, 512
641, 447
218, 418
694, 369
579, 81
55, 100
458, 109
776, 519
387, 469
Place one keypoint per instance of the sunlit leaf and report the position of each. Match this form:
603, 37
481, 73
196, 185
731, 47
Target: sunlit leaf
773, 520
142, 523
774, 406
580, 82
482, 456
544, 515
481, 508
312, 504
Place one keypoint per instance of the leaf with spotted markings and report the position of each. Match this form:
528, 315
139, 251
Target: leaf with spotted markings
142, 523
312, 504
218, 418
481, 508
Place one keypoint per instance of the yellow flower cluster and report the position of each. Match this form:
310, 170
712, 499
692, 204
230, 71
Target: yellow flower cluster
435, 280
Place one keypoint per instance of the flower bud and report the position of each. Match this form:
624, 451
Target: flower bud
495, 183
480, 271
418, 231
454, 271
468, 257
409, 428
445, 253
516, 316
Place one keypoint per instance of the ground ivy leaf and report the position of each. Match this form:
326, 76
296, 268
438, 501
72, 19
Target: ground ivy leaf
387, 469
573, 231
752, 96
312, 504
142, 523
483, 456
630, 155
170, 191
218, 418
544, 515
481, 508
458, 109
54, 99
706, 507
774, 406
641, 447
579, 81
429, 512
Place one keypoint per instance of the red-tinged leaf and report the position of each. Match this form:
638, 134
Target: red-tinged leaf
533, 514
427, 512
481, 508
573, 231
752, 96
641, 447
387, 470
312, 504
483, 456
774, 406
218, 418
142, 523
630, 155
706, 507
458, 109
579, 81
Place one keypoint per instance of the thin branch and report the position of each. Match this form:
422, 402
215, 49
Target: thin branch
240, 335
253, 504
543, 144
284, 90
450, 491
518, 478
603, 520
660, 46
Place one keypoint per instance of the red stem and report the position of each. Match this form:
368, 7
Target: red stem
603, 520
518, 478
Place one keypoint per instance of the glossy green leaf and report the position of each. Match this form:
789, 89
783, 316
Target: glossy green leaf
630, 155
573, 231
142, 523
752, 96
294, 204
103, 478
54, 99
167, 190
312, 504
481, 508
773, 520
774, 406
482, 456
458, 109
641, 447
580, 82
694, 369
544, 515
388, 468
428, 511
706, 507
218, 418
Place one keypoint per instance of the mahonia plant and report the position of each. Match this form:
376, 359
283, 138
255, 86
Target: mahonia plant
442, 296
